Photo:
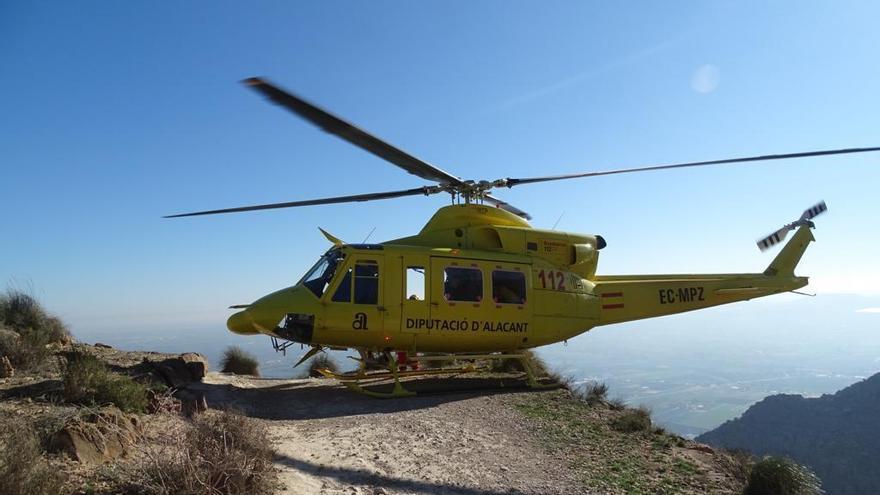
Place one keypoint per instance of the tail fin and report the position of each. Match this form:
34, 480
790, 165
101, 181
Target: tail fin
784, 263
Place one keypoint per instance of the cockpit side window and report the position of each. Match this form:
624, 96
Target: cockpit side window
343, 292
366, 282
318, 278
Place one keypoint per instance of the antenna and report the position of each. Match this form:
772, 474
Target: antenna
557, 220
368, 236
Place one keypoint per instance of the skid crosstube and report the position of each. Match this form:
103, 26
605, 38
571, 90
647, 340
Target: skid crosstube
355, 381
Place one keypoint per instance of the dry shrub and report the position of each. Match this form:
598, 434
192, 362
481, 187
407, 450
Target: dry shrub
633, 420
23, 470
26, 329
87, 380
593, 393
239, 362
220, 453
738, 463
20, 311
511, 365
321, 361
617, 404
781, 476
25, 349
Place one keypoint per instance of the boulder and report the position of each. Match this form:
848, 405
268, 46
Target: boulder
180, 370
98, 437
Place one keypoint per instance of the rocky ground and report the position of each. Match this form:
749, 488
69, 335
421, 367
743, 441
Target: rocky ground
489, 440
475, 435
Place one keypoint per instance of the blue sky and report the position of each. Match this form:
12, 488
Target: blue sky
117, 113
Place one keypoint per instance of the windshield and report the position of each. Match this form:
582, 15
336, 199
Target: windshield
318, 278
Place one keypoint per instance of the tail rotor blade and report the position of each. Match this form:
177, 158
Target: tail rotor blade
814, 211
773, 239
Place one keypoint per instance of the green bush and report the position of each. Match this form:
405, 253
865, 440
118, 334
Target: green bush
632, 420
23, 470
321, 361
240, 362
20, 312
781, 476
87, 380
221, 453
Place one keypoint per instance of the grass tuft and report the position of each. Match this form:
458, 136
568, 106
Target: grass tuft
220, 453
617, 404
593, 393
633, 420
23, 470
321, 361
240, 362
26, 329
20, 311
25, 349
87, 380
781, 476
510, 365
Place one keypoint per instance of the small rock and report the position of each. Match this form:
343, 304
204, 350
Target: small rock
6, 368
98, 437
702, 448
103, 346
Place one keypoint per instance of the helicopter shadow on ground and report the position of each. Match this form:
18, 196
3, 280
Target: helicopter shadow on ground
320, 398
364, 477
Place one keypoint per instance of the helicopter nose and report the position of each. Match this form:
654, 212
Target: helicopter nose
241, 323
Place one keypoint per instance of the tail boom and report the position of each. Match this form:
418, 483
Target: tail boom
634, 297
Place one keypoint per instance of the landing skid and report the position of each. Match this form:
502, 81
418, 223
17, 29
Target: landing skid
357, 380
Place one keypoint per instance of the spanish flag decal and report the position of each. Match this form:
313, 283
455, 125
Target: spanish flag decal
612, 300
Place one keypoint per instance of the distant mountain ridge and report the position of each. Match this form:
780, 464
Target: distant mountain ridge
837, 435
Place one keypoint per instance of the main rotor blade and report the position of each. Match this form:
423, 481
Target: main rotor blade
426, 190
531, 180
506, 206
351, 133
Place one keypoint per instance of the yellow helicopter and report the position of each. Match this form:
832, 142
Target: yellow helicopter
477, 282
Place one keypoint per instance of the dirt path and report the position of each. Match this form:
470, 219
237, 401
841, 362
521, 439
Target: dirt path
331, 441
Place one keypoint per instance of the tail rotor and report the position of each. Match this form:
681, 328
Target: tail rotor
805, 219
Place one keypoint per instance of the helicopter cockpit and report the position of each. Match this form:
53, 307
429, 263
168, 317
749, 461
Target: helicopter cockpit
318, 278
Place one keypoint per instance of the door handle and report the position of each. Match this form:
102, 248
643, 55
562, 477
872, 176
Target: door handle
380, 308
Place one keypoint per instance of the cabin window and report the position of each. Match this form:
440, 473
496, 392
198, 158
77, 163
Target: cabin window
463, 284
366, 282
508, 287
415, 283
318, 278
343, 292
